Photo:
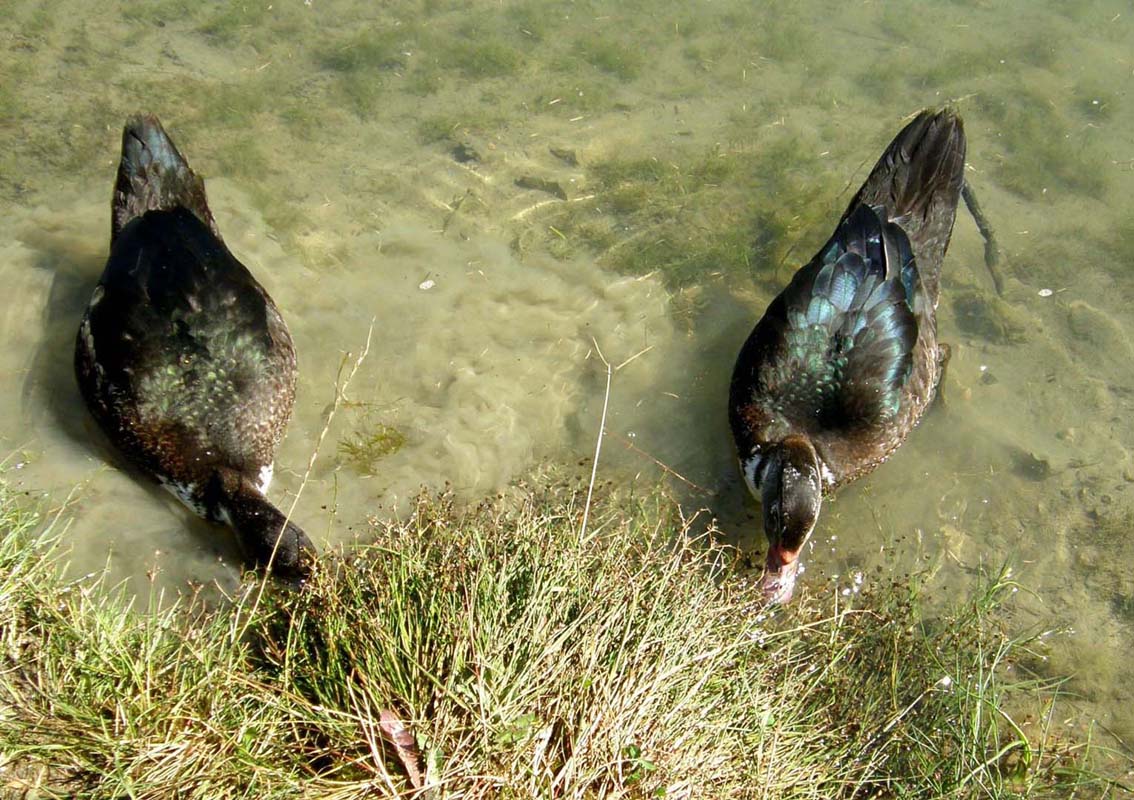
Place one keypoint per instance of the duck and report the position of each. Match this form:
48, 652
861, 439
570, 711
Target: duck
183, 358
845, 360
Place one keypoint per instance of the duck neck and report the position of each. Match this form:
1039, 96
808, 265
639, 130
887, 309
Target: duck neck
755, 468
264, 532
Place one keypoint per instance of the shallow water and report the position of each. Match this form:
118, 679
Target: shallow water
363, 164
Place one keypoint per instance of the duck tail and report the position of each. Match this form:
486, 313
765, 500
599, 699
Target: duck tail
154, 175
918, 182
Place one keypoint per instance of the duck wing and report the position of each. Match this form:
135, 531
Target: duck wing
831, 356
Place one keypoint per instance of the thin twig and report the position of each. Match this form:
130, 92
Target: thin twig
598, 442
340, 395
665, 467
641, 352
610, 370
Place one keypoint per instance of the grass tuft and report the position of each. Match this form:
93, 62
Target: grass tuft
499, 652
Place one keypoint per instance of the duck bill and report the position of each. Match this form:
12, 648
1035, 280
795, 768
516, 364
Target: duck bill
780, 570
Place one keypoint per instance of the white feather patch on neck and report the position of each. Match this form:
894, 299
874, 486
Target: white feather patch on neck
265, 478
826, 474
750, 467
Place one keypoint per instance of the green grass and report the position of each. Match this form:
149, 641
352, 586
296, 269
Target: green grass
501, 652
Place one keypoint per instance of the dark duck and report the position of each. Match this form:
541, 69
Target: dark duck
845, 360
183, 358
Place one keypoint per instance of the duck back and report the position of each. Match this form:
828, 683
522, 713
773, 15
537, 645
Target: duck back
191, 352
832, 354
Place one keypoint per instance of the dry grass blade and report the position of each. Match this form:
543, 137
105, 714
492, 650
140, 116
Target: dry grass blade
598, 442
341, 386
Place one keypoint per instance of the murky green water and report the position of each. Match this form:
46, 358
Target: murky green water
363, 162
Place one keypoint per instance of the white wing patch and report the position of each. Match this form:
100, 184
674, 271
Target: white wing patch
751, 468
184, 492
265, 477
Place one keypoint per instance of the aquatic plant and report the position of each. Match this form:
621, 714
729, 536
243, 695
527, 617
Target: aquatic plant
692, 216
610, 55
1096, 101
368, 51
482, 57
368, 444
453, 127
1041, 151
573, 94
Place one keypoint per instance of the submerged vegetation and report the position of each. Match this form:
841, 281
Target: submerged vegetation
369, 443
503, 652
692, 216
1044, 150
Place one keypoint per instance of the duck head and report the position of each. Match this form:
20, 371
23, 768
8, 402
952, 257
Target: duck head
791, 492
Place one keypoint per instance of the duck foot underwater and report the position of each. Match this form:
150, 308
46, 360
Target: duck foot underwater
845, 360
183, 358
991, 248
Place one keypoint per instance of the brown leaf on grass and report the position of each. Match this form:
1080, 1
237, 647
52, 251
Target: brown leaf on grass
405, 747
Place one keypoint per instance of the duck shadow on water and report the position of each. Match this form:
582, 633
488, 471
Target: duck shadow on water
735, 511
687, 432
50, 397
